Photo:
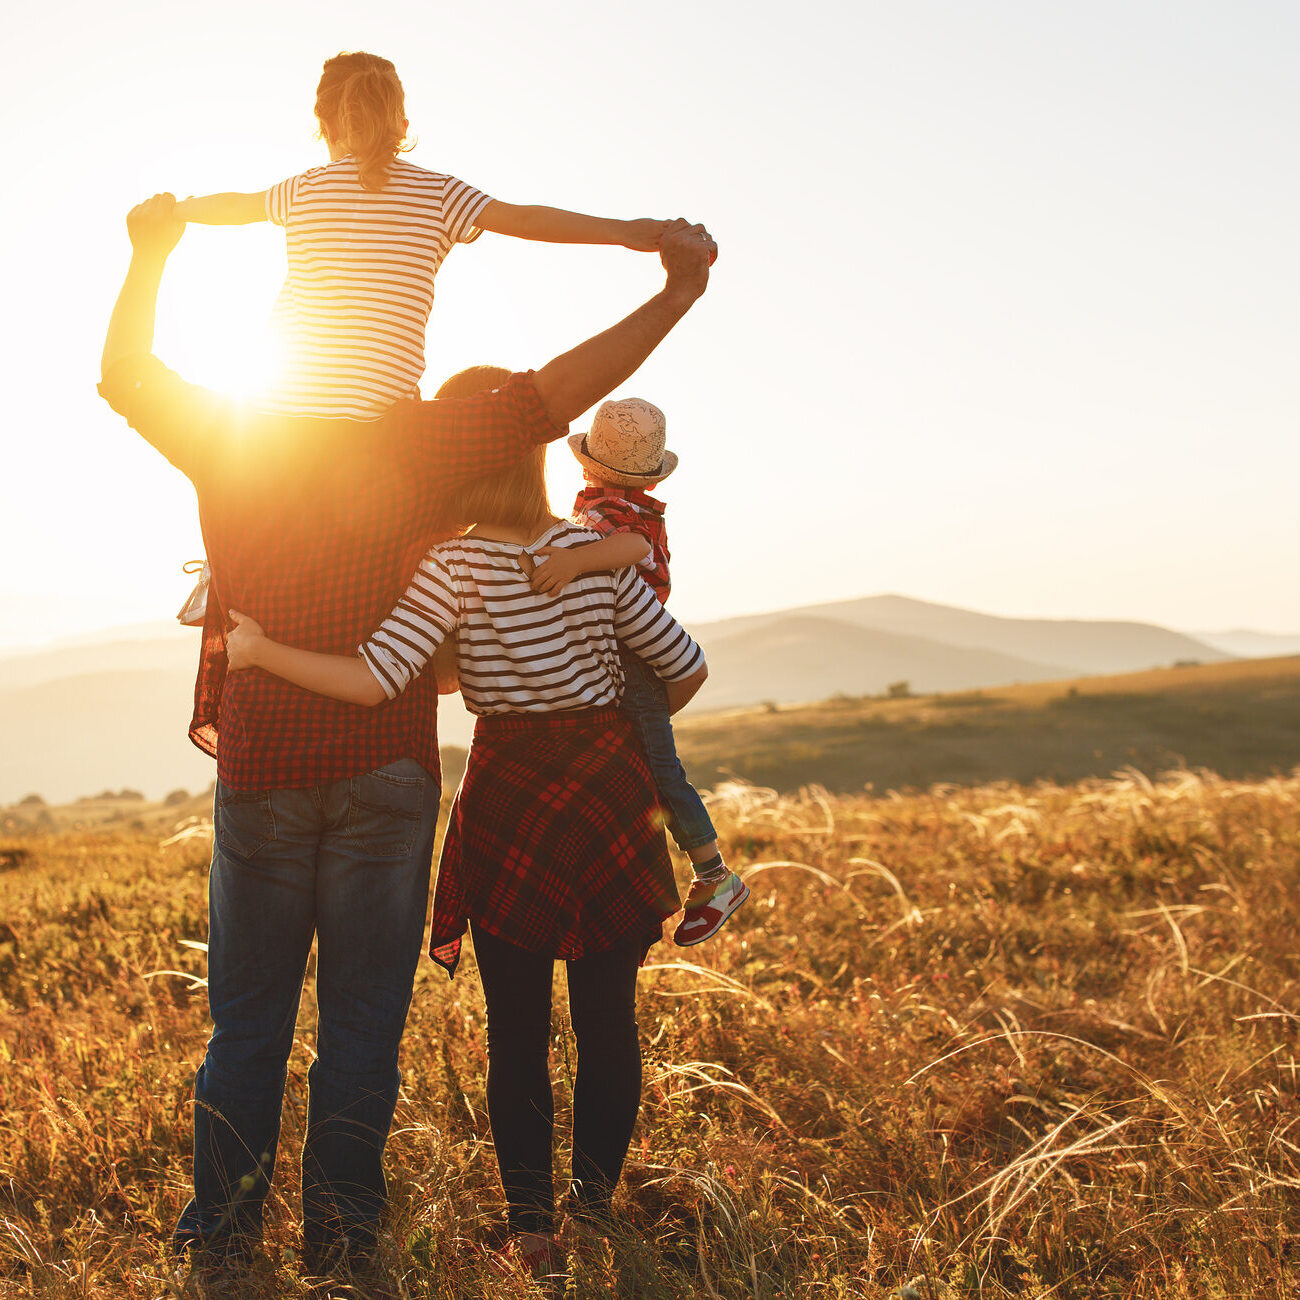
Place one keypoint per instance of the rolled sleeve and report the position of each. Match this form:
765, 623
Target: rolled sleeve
651, 632
408, 638
179, 419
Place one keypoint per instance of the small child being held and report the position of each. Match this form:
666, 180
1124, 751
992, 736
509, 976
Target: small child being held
622, 457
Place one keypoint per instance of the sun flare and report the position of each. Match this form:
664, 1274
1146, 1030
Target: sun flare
215, 322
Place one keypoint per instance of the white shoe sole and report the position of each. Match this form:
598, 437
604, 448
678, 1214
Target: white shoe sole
722, 920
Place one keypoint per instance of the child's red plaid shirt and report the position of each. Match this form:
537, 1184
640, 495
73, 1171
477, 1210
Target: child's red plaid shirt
635, 512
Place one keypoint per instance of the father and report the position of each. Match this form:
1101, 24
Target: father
325, 812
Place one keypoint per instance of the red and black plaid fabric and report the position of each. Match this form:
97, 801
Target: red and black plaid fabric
314, 528
605, 514
555, 842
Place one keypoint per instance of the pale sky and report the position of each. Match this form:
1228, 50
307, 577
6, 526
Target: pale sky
1005, 313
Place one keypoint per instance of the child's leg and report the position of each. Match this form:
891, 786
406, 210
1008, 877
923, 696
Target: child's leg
716, 892
645, 702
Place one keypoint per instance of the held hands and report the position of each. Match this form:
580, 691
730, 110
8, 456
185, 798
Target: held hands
554, 568
153, 225
687, 252
243, 642
644, 234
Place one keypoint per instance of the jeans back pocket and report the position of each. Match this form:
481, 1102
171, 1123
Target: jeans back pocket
386, 807
244, 821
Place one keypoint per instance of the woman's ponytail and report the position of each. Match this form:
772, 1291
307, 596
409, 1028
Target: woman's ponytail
361, 106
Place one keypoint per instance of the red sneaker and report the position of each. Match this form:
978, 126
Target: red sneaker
708, 906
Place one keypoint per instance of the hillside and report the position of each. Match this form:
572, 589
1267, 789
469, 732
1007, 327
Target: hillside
1240, 718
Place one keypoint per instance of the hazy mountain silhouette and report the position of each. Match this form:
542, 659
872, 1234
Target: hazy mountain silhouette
96, 731
162, 647
1252, 645
1077, 646
86, 714
802, 657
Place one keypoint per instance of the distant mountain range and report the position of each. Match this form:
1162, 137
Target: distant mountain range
1246, 644
89, 715
860, 646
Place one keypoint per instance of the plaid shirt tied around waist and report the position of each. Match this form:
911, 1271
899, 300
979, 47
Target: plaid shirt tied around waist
555, 842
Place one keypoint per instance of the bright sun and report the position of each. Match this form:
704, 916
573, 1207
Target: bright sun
214, 316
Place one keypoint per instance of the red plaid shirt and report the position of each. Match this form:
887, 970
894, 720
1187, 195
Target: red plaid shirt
636, 512
314, 528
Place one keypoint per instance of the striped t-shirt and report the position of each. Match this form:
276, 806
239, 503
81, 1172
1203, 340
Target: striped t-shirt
522, 651
356, 301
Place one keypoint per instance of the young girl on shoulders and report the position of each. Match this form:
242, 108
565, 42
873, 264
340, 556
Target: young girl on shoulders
366, 235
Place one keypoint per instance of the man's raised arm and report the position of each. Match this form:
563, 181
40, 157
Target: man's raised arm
178, 419
580, 378
154, 229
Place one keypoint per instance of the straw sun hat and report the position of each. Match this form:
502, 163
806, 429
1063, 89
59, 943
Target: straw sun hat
625, 444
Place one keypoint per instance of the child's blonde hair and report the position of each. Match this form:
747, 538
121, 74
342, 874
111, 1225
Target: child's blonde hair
361, 106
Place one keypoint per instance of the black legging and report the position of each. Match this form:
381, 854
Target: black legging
606, 1092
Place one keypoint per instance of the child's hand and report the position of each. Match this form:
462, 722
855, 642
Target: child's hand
643, 235
553, 569
243, 642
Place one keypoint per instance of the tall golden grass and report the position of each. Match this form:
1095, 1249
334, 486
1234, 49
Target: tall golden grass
1010, 1041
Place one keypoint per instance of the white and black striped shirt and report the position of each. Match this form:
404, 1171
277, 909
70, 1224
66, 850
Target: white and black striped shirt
521, 651
357, 298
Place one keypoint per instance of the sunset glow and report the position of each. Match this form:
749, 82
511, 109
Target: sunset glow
1031, 245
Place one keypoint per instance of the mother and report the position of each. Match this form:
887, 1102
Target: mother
554, 849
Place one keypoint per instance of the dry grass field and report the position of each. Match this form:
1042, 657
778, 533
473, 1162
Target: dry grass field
1034, 1041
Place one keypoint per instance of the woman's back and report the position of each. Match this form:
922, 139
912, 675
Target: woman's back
522, 651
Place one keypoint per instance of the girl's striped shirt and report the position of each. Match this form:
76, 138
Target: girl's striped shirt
357, 298
522, 651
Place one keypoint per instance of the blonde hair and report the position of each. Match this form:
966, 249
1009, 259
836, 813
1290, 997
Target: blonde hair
511, 498
361, 106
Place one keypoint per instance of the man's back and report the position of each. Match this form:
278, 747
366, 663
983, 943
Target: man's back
314, 527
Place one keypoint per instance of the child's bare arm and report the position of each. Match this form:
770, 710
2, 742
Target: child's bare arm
559, 565
557, 226
223, 209
341, 677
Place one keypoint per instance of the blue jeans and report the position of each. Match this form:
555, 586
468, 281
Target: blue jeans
347, 863
645, 702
